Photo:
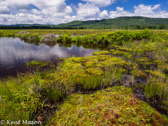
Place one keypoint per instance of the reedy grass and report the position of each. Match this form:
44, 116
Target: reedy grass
156, 87
20, 97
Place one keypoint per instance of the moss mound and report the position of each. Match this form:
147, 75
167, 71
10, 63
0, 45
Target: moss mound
112, 106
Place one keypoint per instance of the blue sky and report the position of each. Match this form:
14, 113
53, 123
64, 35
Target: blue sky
63, 11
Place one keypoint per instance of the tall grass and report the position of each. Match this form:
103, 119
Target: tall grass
20, 97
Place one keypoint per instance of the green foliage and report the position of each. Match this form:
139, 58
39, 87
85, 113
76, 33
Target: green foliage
65, 38
119, 37
103, 39
30, 38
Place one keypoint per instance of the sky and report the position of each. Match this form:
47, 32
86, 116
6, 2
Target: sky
63, 11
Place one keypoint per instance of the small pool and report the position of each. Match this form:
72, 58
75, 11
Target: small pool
15, 53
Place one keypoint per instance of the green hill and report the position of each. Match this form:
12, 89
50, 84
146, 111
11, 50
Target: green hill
116, 23
121, 22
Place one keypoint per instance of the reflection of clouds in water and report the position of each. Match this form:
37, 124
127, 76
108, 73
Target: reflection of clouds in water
86, 51
14, 51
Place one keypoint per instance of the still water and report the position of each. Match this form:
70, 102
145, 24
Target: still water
15, 53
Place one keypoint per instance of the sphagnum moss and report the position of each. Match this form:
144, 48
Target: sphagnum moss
112, 106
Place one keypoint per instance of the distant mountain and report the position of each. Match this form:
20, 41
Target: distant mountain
27, 26
116, 23
120, 22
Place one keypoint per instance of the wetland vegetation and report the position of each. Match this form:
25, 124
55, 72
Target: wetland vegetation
126, 83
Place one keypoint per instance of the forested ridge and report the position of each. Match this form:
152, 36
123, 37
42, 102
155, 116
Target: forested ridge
116, 23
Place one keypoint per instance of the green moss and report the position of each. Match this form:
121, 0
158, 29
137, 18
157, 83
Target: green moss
91, 71
118, 53
103, 57
113, 61
91, 63
114, 46
157, 74
94, 71
165, 67
112, 50
123, 71
146, 63
125, 49
139, 74
101, 53
70, 66
112, 106
142, 60
78, 59
37, 64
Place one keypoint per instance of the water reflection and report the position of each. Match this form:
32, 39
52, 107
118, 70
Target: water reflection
15, 53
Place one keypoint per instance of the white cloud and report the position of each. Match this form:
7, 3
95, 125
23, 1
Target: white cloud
140, 10
87, 10
104, 14
119, 12
58, 5
34, 11
101, 3
120, 9
3, 8
145, 10
149, 11
57, 11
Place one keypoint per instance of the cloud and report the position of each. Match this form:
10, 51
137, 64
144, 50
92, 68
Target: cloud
101, 3
140, 10
34, 11
58, 5
149, 11
104, 14
57, 11
119, 12
87, 10
3, 8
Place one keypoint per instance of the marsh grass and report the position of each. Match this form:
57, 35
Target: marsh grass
20, 98
156, 87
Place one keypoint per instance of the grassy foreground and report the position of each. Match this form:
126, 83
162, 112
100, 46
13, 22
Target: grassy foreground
112, 106
138, 60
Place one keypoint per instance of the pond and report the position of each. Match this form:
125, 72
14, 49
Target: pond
15, 53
